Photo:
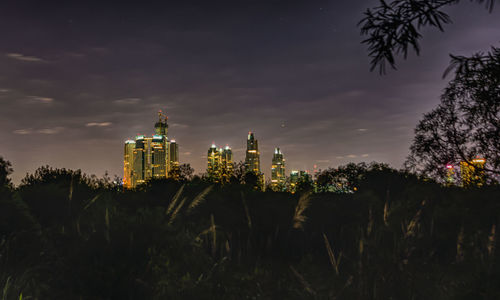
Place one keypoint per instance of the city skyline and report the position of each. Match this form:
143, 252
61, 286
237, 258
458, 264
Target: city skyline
296, 74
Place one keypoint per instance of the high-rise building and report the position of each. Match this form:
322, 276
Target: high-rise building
213, 163
173, 157
174, 153
226, 164
278, 176
219, 164
297, 177
252, 158
140, 170
149, 157
473, 173
161, 127
128, 163
159, 156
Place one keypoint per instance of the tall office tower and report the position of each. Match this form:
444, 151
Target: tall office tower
173, 153
140, 156
473, 173
158, 152
148, 157
173, 156
278, 177
161, 127
219, 164
297, 177
128, 163
252, 159
294, 180
214, 163
226, 164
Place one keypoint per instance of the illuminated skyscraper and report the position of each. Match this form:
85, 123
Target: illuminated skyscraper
149, 157
278, 177
174, 153
161, 127
294, 180
159, 161
128, 163
252, 158
140, 170
226, 164
219, 164
298, 177
173, 157
473, 173
213, 163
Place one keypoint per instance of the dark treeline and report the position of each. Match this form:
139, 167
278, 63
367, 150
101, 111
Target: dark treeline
64, 235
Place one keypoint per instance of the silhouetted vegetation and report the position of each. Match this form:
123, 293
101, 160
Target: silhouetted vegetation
65, 235
465, 124
393, 28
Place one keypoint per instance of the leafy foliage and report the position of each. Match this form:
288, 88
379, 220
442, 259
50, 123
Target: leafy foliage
394, 28
5, 171
466, 123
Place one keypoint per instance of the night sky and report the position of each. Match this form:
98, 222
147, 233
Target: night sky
76, 81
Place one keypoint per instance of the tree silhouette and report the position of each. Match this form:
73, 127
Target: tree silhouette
394, 28
465, 124
5, 171
185, 172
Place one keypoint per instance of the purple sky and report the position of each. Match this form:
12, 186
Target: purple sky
77, 81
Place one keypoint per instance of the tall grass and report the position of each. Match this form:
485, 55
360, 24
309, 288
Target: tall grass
175, 199
177, 210
334, 261
199, 198
299, 217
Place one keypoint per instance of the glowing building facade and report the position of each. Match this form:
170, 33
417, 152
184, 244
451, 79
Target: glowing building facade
296, 177
473, 173
252, 158
149, 157
278, 176
226, 164
219, 164
128, 162
173, 157
213, 163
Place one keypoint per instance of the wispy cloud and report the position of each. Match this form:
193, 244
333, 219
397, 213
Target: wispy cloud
4, 90
323, 161
127, 101
362, 129
22, 57
177, 125
53, 130
43, 100
97, 124
26, 131
354, 93
365, 155
23, 131
351, 156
